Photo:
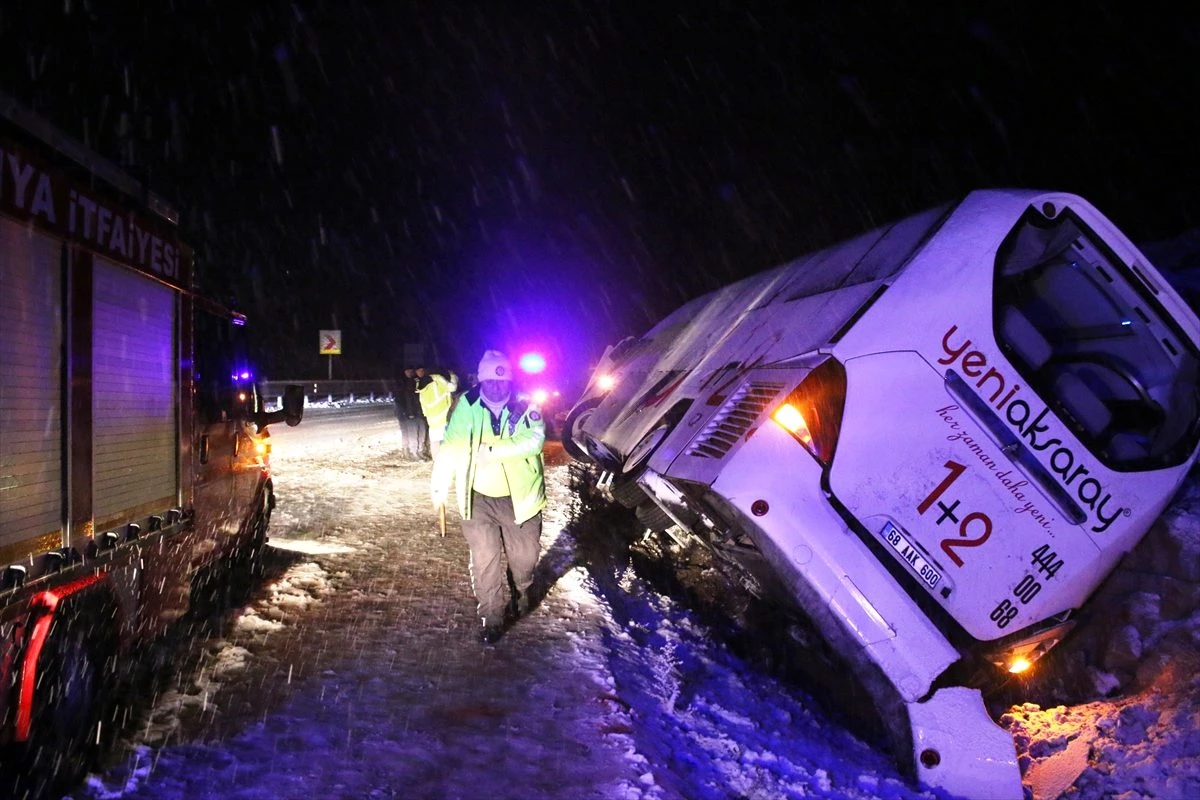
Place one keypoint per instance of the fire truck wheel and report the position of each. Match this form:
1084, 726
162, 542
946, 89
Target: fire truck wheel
247, 562
257, 543
74, 673
257, 547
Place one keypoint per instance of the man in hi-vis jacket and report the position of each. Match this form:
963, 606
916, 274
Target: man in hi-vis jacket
436, 393
492, 451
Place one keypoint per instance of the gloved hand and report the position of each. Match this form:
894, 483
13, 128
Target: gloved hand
439, 497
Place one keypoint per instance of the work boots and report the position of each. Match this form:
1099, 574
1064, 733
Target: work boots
492, 631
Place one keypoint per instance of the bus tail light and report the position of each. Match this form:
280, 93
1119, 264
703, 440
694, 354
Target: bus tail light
812, 413
1022, 650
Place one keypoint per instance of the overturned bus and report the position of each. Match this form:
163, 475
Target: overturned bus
935, 440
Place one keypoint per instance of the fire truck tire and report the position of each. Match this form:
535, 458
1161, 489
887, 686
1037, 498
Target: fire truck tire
75, 675
249, 558
257, 543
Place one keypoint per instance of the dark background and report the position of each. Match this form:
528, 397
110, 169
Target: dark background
560, 174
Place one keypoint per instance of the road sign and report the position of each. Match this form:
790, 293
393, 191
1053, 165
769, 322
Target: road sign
331, 343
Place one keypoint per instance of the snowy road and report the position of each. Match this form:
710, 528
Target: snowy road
357, 673
355, 670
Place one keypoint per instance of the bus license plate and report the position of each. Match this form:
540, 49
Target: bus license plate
910, 555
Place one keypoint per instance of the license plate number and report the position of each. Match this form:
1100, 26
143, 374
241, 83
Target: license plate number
910, 555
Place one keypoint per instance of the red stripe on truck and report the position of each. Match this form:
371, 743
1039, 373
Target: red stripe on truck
43, 604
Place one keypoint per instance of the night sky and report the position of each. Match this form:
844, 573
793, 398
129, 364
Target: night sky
564, 173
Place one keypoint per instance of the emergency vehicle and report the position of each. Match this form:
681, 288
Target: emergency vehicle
935, 440
133, 449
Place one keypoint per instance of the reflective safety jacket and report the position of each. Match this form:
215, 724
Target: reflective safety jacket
436, 396
512, 465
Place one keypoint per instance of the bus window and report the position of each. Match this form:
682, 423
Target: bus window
1086, 335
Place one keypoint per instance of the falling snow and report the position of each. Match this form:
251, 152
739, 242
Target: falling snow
444, 174
355, 670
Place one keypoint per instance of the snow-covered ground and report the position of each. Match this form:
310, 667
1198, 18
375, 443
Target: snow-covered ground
355, 671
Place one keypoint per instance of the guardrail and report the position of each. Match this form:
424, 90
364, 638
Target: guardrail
371, 391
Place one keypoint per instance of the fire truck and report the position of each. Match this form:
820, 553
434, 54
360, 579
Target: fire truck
134, 458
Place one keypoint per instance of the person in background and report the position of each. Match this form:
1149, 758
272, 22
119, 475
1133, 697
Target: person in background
436, 394
492, 452
408, 412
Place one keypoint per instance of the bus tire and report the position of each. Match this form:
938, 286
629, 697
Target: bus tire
578, 416
639, 456
652, 517
625, 489
628, 493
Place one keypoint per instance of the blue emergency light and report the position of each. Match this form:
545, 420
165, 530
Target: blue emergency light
532, 363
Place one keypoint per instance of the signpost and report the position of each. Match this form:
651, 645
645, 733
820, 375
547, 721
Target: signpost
331, 345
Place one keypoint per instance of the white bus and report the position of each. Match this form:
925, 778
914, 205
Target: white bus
935, 439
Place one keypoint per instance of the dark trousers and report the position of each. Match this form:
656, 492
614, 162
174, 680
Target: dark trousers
489, 532
412, 438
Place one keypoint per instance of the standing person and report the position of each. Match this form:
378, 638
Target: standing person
436, 394
412, 421
492, 452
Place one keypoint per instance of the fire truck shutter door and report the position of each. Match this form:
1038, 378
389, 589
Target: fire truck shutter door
134, 398
30, 390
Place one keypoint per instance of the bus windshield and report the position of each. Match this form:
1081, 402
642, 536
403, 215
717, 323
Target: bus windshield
1088, 336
